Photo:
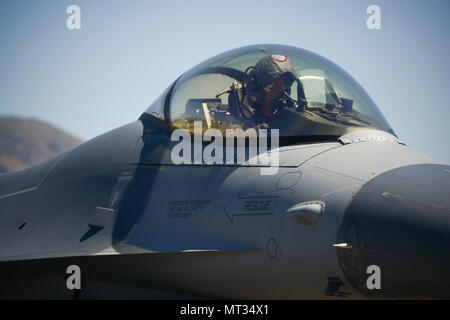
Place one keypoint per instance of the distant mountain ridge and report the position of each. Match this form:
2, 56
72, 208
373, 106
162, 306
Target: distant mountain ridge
25, 142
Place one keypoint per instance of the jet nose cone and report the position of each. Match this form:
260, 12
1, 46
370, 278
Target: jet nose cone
399, 222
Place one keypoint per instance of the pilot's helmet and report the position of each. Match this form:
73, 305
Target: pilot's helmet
266, 71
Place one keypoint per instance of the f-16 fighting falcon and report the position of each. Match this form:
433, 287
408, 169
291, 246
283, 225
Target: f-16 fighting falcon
265, 172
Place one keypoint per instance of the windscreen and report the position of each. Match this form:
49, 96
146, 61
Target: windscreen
273, 87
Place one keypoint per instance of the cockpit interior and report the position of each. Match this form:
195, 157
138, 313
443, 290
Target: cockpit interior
320, 100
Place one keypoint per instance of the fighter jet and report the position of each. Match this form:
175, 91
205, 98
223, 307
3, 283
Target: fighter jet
265, 172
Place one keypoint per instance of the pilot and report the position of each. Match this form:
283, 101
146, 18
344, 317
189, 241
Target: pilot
267, 88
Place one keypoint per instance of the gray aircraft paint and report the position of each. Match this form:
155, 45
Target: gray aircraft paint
230, 250
139, 226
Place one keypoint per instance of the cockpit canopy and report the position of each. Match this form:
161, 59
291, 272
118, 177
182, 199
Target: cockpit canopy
323, 100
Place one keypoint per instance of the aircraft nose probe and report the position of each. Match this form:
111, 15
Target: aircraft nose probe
400, 222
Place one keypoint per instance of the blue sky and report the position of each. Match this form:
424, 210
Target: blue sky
126, 53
